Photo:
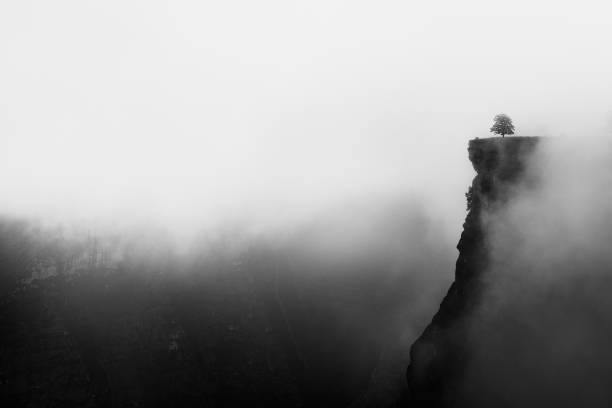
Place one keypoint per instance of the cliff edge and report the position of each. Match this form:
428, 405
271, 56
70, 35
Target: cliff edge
440, 353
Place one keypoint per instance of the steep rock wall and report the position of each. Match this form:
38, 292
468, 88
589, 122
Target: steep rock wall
440, 353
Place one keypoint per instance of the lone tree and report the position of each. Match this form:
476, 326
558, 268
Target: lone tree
503, 125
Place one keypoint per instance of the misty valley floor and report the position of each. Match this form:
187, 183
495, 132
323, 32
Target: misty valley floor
113, 340
262, 327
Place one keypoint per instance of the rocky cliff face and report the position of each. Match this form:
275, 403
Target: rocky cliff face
440, 353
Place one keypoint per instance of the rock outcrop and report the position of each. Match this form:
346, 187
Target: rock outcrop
440, 353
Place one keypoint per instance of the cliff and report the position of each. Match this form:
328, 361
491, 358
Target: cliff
440, 353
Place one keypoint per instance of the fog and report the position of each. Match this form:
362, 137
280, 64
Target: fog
541, 335
192, 114
283, 183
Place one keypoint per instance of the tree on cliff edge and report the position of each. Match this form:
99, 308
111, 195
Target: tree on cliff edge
503, 125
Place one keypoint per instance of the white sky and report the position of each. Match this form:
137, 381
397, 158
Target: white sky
192, 111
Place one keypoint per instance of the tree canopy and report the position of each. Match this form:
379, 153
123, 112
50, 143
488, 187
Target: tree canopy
502, 125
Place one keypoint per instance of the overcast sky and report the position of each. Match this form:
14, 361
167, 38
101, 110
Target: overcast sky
192, 111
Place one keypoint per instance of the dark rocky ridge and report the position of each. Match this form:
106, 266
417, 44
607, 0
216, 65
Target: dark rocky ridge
440, 353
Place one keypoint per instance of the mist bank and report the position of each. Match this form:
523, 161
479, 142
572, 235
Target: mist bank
320, 314
383, 228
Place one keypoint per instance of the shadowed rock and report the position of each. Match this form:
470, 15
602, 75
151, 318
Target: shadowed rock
440, 353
